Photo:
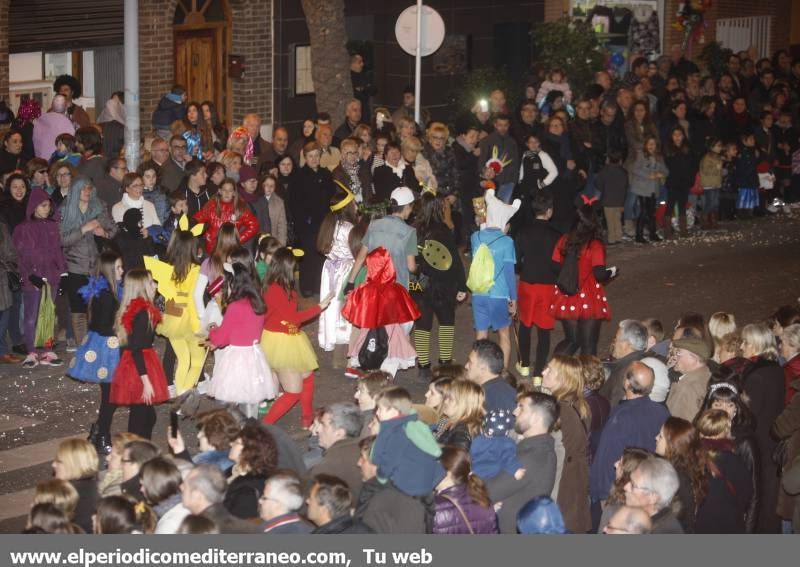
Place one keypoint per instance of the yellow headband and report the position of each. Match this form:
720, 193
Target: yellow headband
344, 202
296, 252
183, 224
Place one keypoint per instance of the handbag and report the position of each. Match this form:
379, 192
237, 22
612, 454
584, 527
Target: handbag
44, 335
460, 511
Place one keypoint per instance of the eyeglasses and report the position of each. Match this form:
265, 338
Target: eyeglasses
64, 174
438, 138
178, 147
126, 461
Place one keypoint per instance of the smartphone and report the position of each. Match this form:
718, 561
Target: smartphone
173, 424
483, 104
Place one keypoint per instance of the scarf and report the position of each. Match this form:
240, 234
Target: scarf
137, 305
355, 181
131, 203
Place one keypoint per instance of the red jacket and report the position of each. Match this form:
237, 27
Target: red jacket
246, 223
282, 314
791, 372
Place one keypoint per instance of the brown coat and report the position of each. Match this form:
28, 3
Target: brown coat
787, 426
573, 489
686, 396
340, 460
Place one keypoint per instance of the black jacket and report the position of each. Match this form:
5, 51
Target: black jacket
388, 511
535, 244
384, 181
724, 509
467, 176
344, 525
87, 501
241, 498
457, 436
227, 522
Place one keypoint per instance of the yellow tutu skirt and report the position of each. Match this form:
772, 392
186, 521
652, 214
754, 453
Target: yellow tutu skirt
293, 353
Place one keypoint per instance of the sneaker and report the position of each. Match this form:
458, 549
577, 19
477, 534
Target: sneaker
353, 373
31, 361
523, 371
50, 359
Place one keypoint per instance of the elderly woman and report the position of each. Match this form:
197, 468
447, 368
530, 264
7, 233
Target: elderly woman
394, 172
441, 157
83, 217
77, 462
763, 383
255, 456
411, 150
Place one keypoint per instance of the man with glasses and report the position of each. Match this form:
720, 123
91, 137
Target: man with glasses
172, 171
686, 395
635, 422
280, 503
352, 173
109, 187
651, 487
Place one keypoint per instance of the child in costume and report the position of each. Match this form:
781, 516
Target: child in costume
212, 272
41, 262
97, 357
267, 245
439, 285
382, 302
405, 450
745, 177
241, 374
492, 308
176, 279
139, 380
493, 451
227, 206
288, 350
333, 242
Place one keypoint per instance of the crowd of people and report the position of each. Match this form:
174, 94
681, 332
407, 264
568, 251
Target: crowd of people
220, 239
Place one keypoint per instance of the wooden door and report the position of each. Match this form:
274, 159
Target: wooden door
197, 65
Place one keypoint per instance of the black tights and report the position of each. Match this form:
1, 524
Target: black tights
579, 335
168, 362
142, 419
542, 347
105, 415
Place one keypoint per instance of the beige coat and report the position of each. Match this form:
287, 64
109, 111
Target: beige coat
686, 396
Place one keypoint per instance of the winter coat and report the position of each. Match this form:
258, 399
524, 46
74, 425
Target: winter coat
686, 395
467, 178
787, 429
171, 176
633, 423
763, 383
344, 525
537, 455
791, 485
449, 520
339, 460
309, 201
241, 497
746, 448
8, 263
167, 112
573, 488
87, 502
170, 514
636, 134
640, 171
444, 168
45, 130
227, 522
35, 259
80, 249
613, 389
682, 170
599, 408
729, 492
273, 210
10, 162
160, 201
246, 222
388, 511
744, 173
711, 170
791, 372
457, 435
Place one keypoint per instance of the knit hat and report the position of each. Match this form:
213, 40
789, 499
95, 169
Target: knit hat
698, 347
246, 173
540, 516
498, 423
499, 213
661, 383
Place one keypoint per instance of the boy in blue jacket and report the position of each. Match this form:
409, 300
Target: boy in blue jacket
405, 450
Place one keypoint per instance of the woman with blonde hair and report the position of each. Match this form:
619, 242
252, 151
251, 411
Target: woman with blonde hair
60, 493
729, 489
763, 383
77, 462
720, 324
463, 408
563, 377
411, 150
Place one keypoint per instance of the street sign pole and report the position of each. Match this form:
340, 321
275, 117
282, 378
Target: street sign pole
418, 70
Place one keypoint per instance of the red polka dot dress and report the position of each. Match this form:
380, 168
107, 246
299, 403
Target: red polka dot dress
590, 302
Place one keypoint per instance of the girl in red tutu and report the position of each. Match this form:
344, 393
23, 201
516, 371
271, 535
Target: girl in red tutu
139, 380
584, 307
288, 350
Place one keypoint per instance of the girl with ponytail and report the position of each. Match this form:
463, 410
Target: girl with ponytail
461, 504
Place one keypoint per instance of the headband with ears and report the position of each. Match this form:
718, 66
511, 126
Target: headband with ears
196, 230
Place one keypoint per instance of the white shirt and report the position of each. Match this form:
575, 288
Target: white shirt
149, 216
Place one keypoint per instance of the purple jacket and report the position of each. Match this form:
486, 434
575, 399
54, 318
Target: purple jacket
448, 520
38, 244
45, 130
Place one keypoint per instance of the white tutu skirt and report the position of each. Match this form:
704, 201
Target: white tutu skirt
241, 375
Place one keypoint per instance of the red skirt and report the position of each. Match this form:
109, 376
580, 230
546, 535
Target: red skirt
589, 303
533, 305
126, 389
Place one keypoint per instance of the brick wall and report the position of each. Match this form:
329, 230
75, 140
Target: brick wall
555, 9
4, 50
252, 39
778, 9
155, 53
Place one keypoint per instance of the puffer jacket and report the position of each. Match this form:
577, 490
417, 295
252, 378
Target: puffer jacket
246, 222
448, 520
31, 239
